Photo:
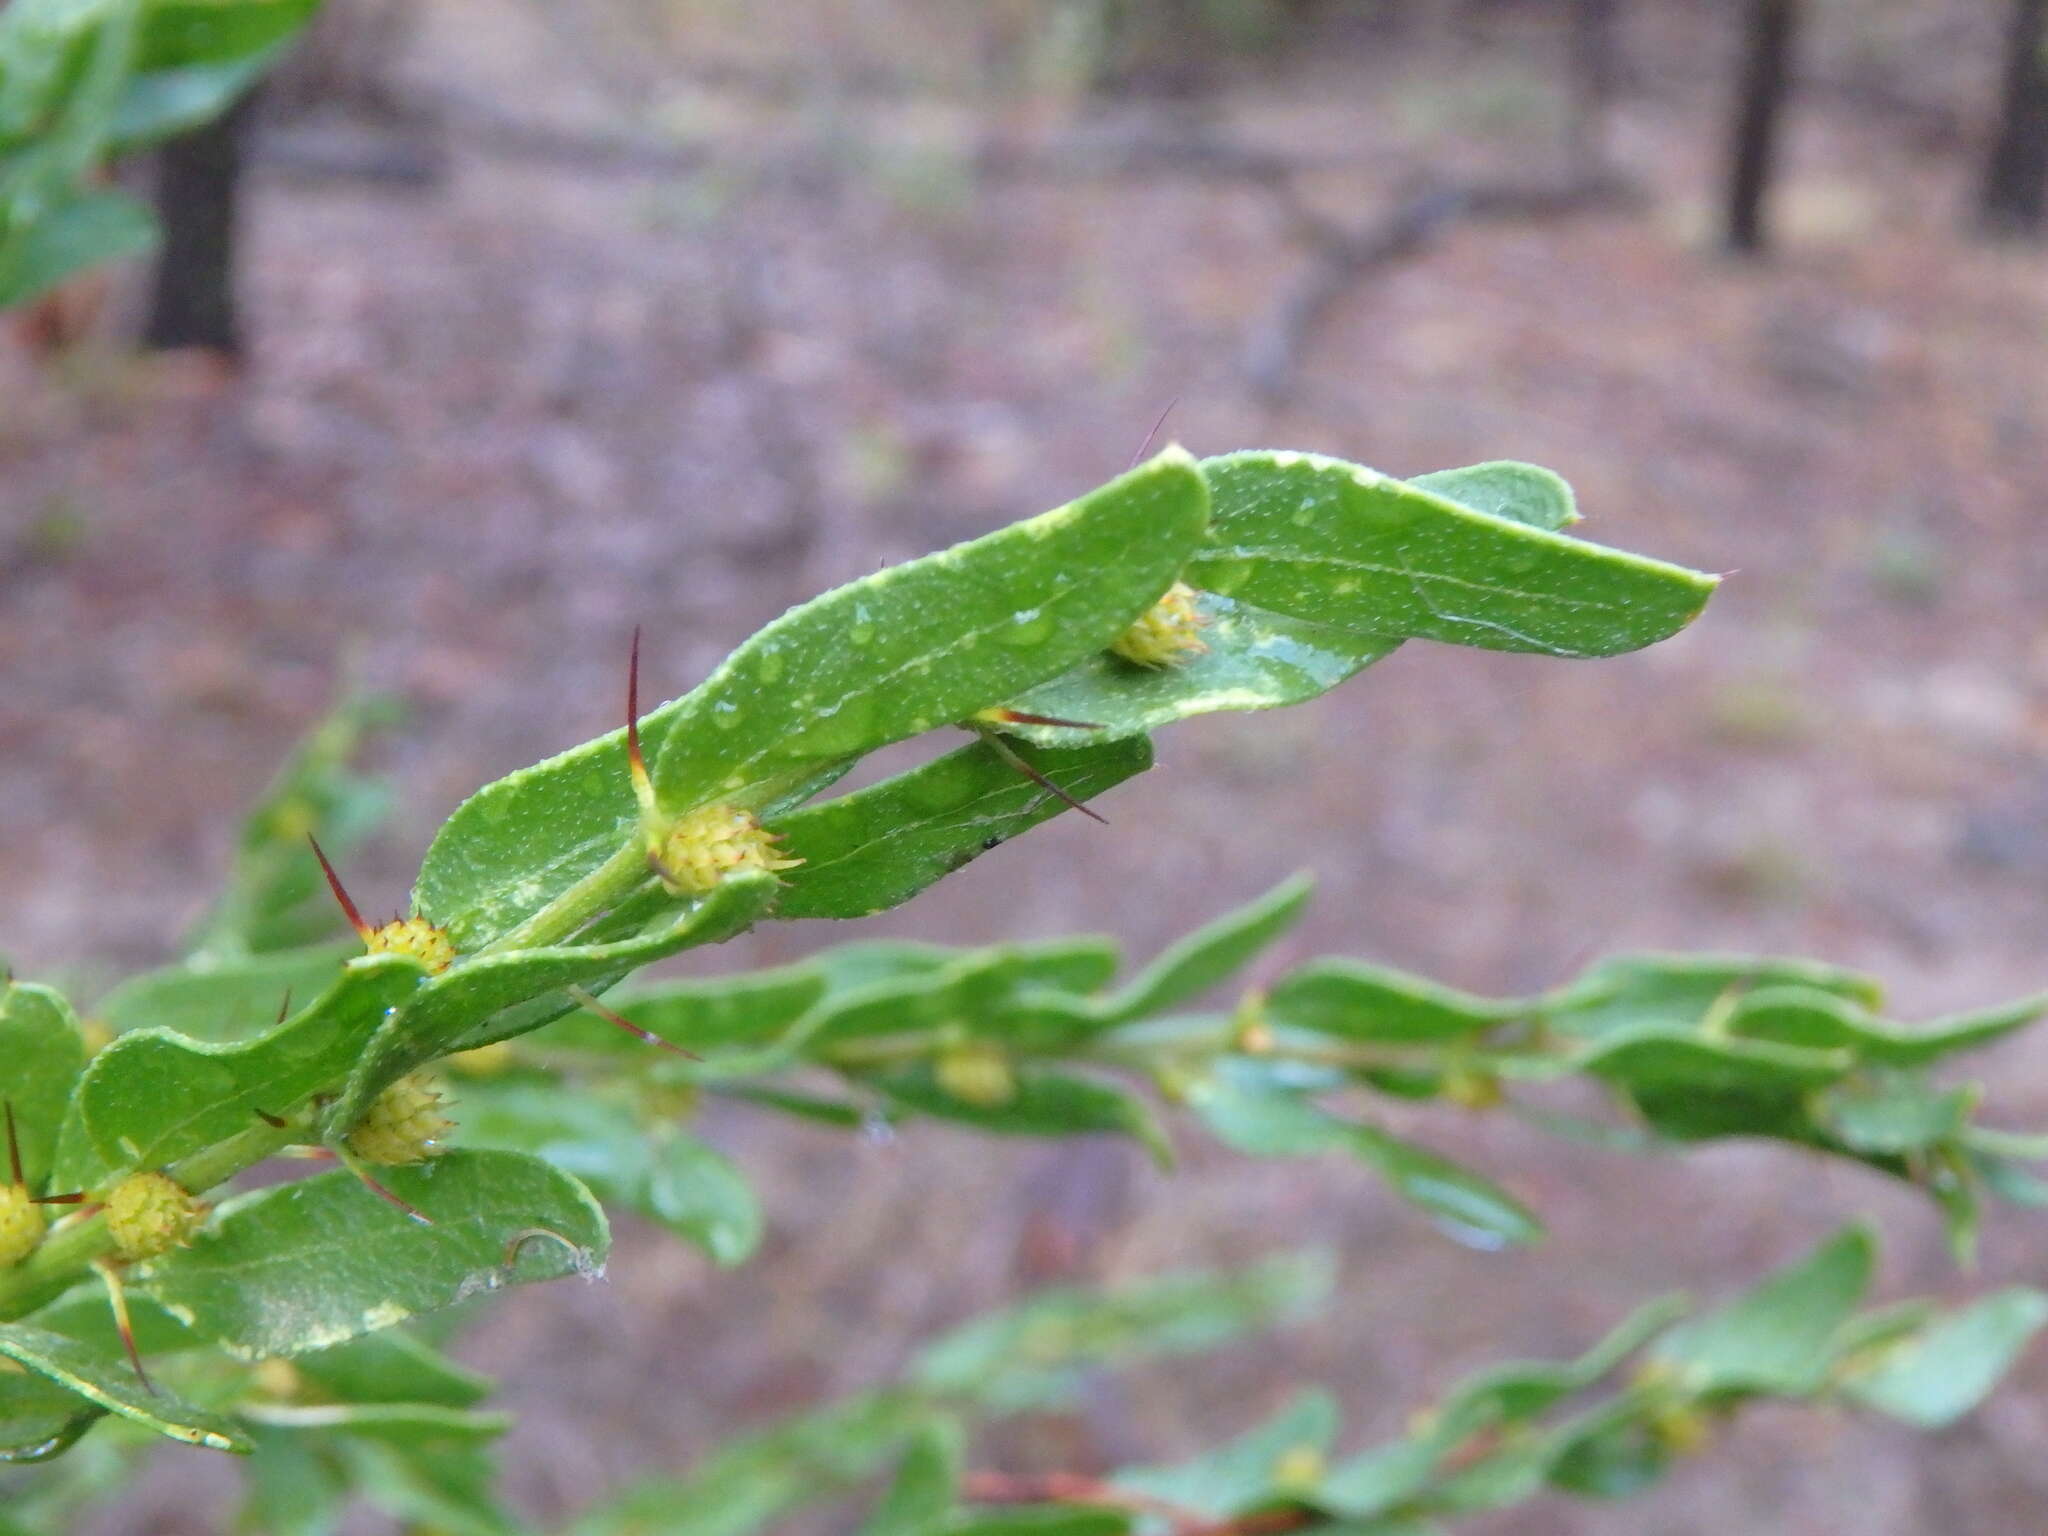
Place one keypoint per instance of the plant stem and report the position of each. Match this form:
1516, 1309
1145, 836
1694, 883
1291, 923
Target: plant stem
603, 888
65, 1256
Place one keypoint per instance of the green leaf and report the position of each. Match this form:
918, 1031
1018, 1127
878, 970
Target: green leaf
1803, 1017
922, 645
1647, 992
222, 999
1520, 1390
1249, 1470
657, 1171
393, 1367
932, 641
1779, 1337
1894, 1113
877, 847
84, 230
750, 1482
1357, 1001
1211, 953
1266, 1122
40, 1420
1042, 1520
177, 33
291, 1487
1042, 1103
926, 1481
1681, 1063
308, 1265
497, 996
1947, 1369
41, 1054
1521, 493
1032, 1355
725, 1012
1251, 659
445, 1487
402, 1423
166, 102
1321, 539
152, 1096
1471, 1208
109, 1383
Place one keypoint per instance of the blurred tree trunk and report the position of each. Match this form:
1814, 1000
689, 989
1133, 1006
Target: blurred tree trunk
1594, 76
192, 301
1769, 36
2015, 191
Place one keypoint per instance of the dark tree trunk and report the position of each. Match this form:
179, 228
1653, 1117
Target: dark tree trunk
192, 303
1594, 78
2015, 193
1768, 40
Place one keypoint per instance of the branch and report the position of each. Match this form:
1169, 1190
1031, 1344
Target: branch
1079, 1488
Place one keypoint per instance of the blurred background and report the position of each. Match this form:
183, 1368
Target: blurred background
496, 327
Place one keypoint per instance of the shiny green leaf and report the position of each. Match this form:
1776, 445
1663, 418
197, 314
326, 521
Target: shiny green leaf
223, 999
1247, 1471
110, 1383
1521, 493
926, 1481
1251, 659
311, 1264
41, 1055
1321, 539
1211, 953
656, 1171
1948, 1368
1354, 1000
1779, 1337
877, 847
498, 996
154, 1096
1042, 1103
891, 655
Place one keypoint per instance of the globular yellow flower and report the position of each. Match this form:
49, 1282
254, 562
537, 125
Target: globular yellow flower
1167, 633
976, 1072
149, 1214
707, 845
403, 1124
413, 936
21, 1225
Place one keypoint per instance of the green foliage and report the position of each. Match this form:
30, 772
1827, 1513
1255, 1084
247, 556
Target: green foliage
551, 888
83, 80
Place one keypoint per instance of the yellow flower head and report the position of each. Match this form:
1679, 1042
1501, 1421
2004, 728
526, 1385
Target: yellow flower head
413, 936
149, 1214
1167, 633
403, 1124
708, 844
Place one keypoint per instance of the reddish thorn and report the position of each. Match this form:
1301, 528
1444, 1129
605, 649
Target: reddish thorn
1138, 457
72, 1199
275, 1122
388, 1197
348, 908
14, 1148
633, 756
627, 1024
1016, 761
118, 1297
1019, 717
285, 1007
